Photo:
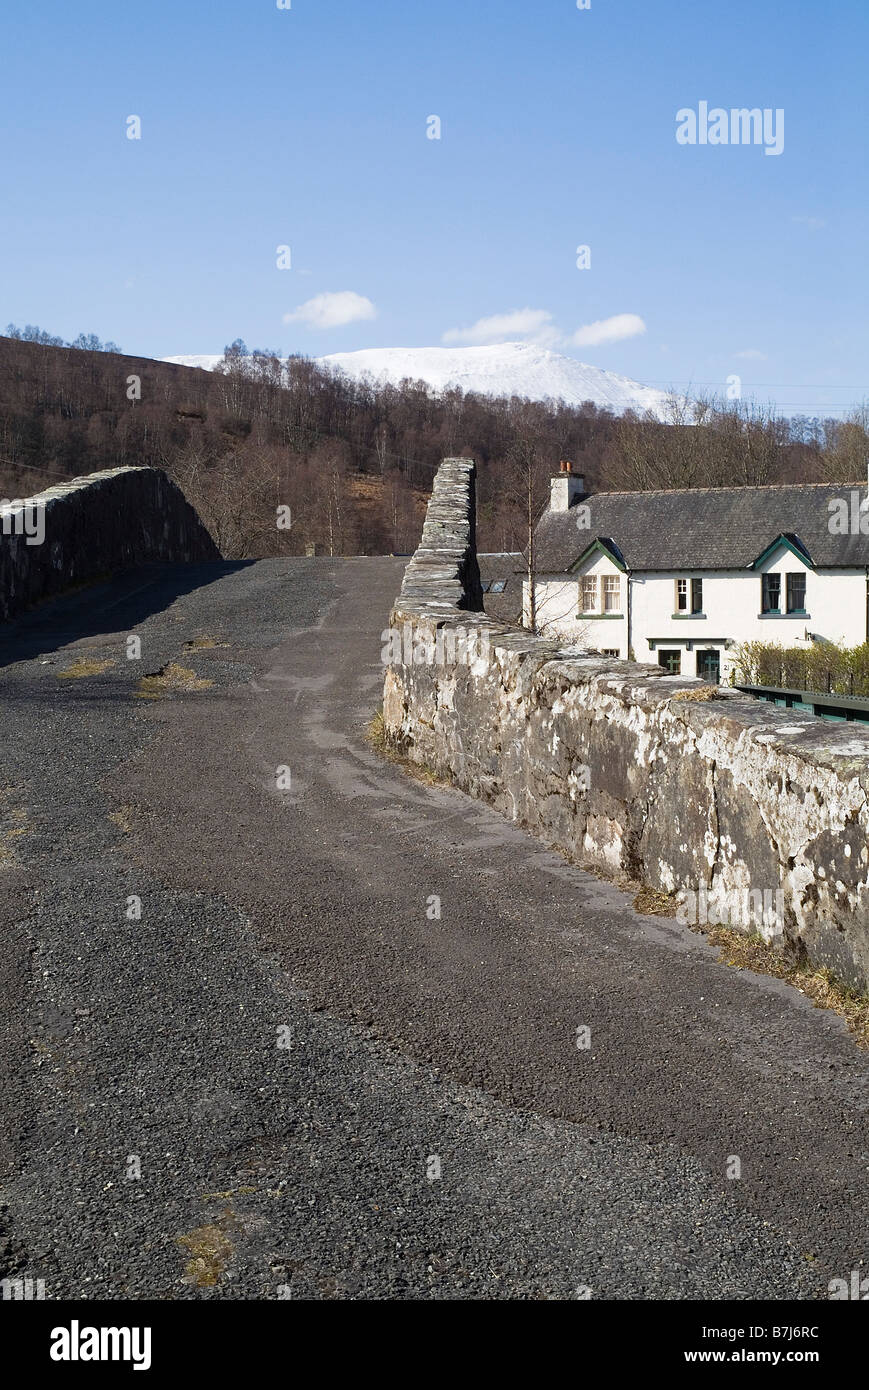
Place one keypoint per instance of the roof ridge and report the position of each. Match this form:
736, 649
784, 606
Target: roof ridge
692, 491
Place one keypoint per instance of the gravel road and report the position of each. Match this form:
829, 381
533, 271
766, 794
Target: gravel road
335, 1056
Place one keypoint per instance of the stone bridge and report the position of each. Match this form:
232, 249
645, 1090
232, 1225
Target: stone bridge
280, 1019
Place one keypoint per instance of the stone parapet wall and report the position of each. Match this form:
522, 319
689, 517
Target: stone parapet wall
698, 791
443, 572
93, 526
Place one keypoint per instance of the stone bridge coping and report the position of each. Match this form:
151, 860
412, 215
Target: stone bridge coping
95, 525
59, 490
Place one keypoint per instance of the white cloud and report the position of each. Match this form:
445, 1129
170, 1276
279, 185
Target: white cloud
814, 224
533, 324
332, 310
537, 326
611, 330
752, 355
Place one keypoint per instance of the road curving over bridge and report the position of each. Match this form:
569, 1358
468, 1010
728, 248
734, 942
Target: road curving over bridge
288, 1076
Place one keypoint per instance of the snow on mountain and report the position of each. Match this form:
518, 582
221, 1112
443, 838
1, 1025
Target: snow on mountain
206, 360
502, 369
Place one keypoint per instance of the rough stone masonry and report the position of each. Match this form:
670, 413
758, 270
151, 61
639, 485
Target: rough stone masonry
695, 790
93, 526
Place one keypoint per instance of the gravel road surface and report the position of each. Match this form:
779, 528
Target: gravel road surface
335, 1053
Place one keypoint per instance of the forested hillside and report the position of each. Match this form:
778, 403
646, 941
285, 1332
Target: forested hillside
352, 461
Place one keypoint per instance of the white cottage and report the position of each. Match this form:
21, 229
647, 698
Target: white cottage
682, 578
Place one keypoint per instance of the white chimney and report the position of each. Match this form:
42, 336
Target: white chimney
565, 488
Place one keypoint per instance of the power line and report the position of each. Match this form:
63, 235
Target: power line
38, 468
770, 385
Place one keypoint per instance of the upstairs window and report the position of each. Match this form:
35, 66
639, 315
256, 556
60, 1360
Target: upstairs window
770, 593
612, 592
689, 600
796, 591
589, 593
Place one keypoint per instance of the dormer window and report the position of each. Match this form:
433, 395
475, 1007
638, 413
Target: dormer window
589, 593
796, 593
612, 593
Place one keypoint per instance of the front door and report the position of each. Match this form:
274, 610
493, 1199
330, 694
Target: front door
709, 666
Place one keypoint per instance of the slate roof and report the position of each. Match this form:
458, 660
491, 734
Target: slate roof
494, 564
507, 566
703, 528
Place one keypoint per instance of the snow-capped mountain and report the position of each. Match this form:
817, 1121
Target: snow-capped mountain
502, 369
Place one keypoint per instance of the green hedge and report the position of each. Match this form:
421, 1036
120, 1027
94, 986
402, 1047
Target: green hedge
823, 667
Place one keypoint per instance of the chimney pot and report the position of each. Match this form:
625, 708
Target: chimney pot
565, 488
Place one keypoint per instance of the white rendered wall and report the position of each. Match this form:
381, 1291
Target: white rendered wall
558, 602
835, 611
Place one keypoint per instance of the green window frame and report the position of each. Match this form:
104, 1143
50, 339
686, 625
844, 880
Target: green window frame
770, 593
708, 664
796, 592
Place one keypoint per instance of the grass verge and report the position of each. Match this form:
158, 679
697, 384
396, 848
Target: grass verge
376, 737
748, 951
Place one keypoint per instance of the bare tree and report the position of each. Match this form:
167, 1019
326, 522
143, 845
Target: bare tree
528, 486
846, 458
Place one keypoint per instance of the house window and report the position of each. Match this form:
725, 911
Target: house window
796, 593
589, 593
612, 591
671, 661
696, 596
770, 593
610, 651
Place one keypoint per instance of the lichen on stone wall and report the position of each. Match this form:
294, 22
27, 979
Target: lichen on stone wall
696, 791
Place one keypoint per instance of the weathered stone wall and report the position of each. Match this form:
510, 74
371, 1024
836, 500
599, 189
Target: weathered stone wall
685, 787
444, 570
93, 526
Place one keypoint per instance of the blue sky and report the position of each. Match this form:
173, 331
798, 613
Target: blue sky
307, 127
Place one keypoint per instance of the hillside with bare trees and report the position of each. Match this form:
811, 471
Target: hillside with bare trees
283, 456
